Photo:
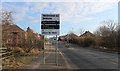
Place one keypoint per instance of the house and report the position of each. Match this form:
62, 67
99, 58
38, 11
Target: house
32, 37
61, 38
87, 34
12, 35
41, 36
38, 36
68, 36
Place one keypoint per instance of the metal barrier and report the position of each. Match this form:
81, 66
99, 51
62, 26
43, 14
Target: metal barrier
4, 54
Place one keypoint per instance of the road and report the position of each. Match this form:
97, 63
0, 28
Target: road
74, 58
84, 58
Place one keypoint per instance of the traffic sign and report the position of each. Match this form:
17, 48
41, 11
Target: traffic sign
50, 31
50, 24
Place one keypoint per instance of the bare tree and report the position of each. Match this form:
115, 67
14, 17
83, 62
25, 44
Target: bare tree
6, 17
81, 31
106, 34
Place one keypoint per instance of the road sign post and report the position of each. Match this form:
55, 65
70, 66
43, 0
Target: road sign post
56, 51
44, 51
50, 26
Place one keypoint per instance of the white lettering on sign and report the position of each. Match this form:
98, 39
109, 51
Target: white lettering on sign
50, 24
50, 31
50, 17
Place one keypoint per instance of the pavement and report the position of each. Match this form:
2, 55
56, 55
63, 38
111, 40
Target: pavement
50, 58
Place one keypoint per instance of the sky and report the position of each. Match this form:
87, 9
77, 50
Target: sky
76, 16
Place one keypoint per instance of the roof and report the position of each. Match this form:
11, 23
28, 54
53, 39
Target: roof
11, 28
69, 35
86, 34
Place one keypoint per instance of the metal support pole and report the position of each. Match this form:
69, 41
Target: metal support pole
44, 52
56, 51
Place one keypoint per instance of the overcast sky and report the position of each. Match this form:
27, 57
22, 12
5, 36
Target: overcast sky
74, 16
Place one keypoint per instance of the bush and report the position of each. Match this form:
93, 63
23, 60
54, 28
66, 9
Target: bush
84, 41
88, 41
75, 40
18, 50
35, 51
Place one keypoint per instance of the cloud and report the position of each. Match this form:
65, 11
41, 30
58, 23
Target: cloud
76, 12
37, 6
100, 6
69, 11
19, 12
32, 20
0, 6
60, 0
